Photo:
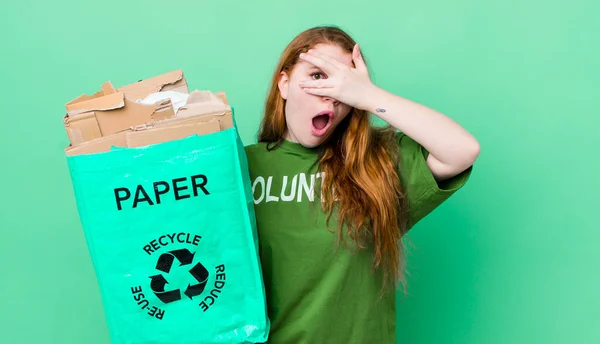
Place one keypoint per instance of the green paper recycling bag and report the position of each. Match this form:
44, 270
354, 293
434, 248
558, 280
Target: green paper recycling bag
171, 231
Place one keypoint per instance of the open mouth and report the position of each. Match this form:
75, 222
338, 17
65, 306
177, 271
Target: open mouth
321, 122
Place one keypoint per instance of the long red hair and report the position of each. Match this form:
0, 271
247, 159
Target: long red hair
368, 197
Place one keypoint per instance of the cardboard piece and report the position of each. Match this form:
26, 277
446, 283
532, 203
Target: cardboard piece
100, 145
107, 99
202, 103
170, 133
116, 118
203, 106
114, 121
139, 137
172, 81
225, 120
223, 97
82, 128
115, 110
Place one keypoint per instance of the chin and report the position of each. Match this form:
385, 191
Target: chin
311, 142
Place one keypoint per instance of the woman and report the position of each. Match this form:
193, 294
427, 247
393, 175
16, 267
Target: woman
334, 195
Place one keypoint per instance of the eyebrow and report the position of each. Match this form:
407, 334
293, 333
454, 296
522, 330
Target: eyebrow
314, 68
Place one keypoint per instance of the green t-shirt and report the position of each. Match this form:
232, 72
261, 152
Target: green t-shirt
318, 292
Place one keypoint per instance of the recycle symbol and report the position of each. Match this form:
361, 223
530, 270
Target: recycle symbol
165, 261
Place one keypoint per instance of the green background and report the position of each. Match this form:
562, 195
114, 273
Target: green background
512, 258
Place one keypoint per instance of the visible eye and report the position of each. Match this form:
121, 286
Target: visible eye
318, 75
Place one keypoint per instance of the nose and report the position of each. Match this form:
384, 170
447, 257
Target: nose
330, 100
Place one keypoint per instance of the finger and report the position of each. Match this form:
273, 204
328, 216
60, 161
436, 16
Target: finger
318, 62
315, 84
359, 62
316, 91
332, 61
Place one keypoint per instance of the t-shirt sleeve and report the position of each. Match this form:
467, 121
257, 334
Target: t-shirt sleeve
424, 193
